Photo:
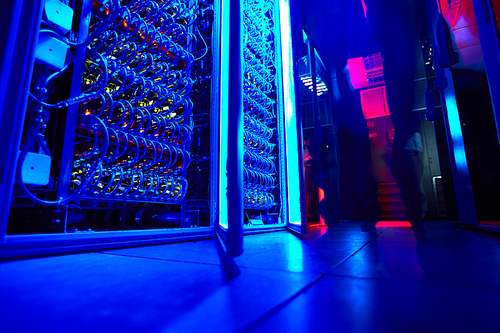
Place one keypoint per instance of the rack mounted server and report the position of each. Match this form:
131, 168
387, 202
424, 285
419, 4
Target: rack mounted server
147, 121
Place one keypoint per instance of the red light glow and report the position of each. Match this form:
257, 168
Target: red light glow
374, 103
393, 224
497, 223
321, 197
357, 73
459, 15
366, 71
364, 7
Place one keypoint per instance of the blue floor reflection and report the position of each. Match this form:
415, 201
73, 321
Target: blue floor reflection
339, 279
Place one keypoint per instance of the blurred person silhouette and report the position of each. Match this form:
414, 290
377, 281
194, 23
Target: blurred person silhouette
327, 180
392, 24
311, 189
347, 166
358, 186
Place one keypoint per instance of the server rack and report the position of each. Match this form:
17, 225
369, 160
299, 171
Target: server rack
127, 106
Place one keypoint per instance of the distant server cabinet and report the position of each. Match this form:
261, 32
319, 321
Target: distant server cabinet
147, 121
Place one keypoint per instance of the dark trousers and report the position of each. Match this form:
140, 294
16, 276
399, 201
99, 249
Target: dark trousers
408, 171
312, 197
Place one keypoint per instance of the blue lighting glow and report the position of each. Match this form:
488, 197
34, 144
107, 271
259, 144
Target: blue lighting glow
294, 254
321, 87
456, 133
223, 120
292, 147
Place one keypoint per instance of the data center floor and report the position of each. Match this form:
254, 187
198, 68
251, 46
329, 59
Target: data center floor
344, 280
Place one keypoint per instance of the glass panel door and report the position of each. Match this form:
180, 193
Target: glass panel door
294, 178
229, 148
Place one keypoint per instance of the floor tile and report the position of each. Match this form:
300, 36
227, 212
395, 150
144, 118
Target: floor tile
376, 281
110, 293
339, 304
203, 251
440, 232
275, 251
470, 264
287, 251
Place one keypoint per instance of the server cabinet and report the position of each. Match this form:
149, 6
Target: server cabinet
121, 133
273, 166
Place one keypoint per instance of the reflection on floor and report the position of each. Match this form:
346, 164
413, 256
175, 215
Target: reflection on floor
340, 279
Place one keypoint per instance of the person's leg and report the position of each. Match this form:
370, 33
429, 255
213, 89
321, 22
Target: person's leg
415, 171
399, 169
422, 198
308, 186
330, 203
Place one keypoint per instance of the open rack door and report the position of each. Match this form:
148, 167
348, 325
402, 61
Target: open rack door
229, 174
290, 24
445, 61
20, 21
